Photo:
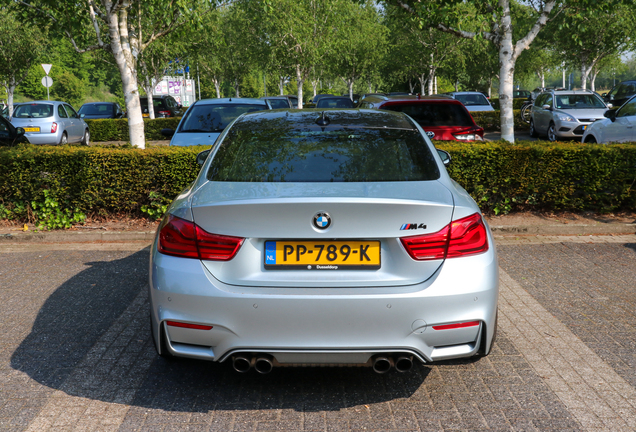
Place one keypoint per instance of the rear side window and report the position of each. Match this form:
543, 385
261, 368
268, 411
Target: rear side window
278, 103
472, 99
336, 154
438, 114
61, 112
33, 111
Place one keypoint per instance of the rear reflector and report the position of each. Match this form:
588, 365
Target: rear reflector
182, 238
187, 325
456, 325
463, 237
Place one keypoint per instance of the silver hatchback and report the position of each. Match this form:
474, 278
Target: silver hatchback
50, 122
565, 113
323, 237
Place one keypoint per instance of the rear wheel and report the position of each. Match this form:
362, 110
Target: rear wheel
552, 136
64, 139
533, 131
86, 138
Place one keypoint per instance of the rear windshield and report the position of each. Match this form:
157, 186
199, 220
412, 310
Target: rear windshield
337, 154
214, 118
96, 109
427, 115
578, 101
472, 99
33, 111
334, 103
278, 103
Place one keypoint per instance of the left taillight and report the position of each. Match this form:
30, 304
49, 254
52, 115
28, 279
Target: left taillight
463, 237
53, 127
182, 238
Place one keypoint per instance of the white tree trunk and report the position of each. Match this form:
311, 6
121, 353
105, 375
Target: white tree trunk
128, 80
593, 76
435, 88
314, 85
563, 83
489, 87
299, 81
411, 86
217, 87
422, 81
10, 88
350, 85
236, 87
584, 74
151, 105
506, 76
281, 85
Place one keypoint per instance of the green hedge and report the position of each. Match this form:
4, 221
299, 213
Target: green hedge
500, 177
539, 175
117, 129
490, 120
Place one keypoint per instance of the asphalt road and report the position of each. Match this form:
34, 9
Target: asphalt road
76, 355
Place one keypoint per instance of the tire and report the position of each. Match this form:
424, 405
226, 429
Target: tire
533, 131
64, 139
86, 138
552, 136
526, 113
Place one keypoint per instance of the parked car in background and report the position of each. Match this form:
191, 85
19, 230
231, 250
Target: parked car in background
207, 118
335, 102
278, 102
620, 93
293, 99
441, 117
50, 122
101, 110
618, 126
331, 238
356, 98
473, 101
565, 113
314, 101
9, 134
521, 94
164, 106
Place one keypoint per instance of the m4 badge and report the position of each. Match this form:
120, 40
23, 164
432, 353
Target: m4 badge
412, 226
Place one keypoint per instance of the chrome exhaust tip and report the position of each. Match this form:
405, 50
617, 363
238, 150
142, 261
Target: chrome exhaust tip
263, 365
242, 364
382, 364
404, 363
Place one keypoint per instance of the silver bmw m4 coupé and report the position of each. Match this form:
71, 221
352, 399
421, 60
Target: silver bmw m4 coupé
323, 238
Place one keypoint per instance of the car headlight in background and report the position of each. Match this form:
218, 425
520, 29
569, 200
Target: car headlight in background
565, 117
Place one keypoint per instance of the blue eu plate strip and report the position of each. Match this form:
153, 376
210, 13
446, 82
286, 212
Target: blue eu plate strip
270, 252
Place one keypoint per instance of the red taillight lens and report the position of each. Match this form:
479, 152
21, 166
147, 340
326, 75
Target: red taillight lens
177, 237
182, 238
164, 113
467, 237
217, 247
53, 127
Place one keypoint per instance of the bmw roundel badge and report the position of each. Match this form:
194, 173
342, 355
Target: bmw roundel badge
322, 220
430, 134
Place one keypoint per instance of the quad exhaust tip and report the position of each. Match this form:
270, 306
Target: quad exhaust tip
263, 365
242, 364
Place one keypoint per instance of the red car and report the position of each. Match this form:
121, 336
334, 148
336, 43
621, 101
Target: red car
441, 117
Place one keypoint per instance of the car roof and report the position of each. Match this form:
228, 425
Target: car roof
225, 101
411, 98
274, 97
302, 119
465, 93
99, 103
570, 92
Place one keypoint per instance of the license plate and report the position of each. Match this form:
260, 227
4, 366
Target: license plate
322, 255
584, 127
145, 115
32, 129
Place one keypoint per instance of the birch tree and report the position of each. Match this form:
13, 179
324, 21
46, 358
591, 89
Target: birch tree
20, 48
299, 32
495, 22
124, 28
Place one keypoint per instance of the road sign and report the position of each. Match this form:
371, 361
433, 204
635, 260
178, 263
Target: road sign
47, 81
47, 69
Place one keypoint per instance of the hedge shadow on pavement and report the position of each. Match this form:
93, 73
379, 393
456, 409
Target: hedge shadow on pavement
91, 339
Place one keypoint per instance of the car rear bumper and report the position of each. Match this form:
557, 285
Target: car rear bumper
43, 138
325, 325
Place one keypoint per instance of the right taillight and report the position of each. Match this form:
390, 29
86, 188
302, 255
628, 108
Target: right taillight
463, 237
182, 238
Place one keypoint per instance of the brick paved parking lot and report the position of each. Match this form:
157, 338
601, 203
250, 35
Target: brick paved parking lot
76, 355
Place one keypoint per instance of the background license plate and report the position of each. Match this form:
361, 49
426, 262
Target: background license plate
32, 129
322, 255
